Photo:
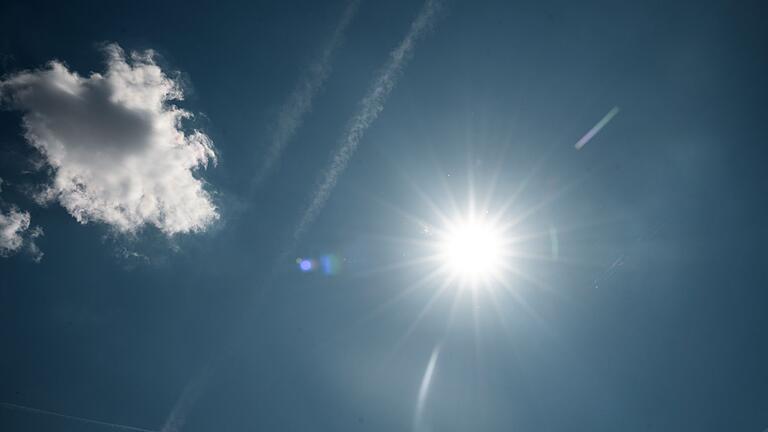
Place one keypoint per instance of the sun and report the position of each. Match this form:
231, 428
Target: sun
473, 251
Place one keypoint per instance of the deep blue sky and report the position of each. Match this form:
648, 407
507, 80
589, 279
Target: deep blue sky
651, 318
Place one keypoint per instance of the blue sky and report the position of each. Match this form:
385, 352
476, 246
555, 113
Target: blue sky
148, 273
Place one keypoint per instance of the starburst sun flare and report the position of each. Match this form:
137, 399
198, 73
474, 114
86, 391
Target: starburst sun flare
473, 251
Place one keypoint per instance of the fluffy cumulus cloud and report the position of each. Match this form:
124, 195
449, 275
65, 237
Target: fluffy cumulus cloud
115, 143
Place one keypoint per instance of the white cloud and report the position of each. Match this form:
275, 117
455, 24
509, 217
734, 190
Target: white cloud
15, 233
115, 143
13, 224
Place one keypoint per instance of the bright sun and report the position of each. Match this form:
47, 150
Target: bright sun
473, 251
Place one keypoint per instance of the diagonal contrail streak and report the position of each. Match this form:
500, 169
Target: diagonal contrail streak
370, 107
290, 118
299, 103
16, 407
296, 107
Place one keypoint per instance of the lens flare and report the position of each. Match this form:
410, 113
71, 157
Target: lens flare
306, 265
329, 264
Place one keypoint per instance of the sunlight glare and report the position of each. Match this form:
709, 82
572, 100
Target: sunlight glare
473, 251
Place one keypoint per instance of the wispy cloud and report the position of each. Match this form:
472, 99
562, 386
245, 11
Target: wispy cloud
299, 103
370, 108
596, 128
16, 233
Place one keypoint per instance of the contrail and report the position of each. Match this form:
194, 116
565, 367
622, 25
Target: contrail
297, 105
15, 407
288, 122
370, 107
424, 388
300, 100
596, 128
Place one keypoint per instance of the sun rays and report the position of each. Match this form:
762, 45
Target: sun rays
473, 251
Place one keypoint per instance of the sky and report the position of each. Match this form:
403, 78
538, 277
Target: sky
233, 216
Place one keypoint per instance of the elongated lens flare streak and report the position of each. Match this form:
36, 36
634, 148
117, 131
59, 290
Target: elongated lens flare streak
596, 128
